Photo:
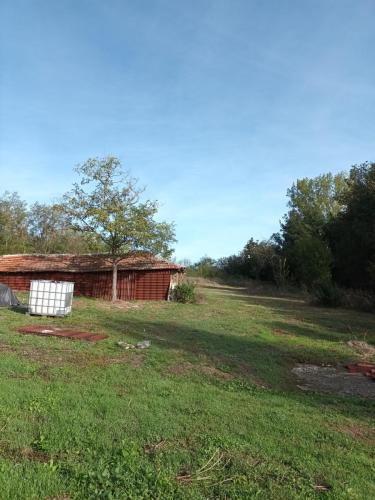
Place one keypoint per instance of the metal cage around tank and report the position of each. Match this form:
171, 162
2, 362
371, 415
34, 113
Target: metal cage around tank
50, 298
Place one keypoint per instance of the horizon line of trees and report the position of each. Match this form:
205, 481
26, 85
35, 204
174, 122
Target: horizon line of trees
39, 228
104, 211
326, 237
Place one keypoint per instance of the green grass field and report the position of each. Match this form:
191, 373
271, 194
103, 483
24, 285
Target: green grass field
211, 410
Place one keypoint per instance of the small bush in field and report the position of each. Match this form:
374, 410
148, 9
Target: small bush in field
185, 293
327, 294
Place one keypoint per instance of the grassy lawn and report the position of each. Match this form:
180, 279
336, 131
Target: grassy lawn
211, 410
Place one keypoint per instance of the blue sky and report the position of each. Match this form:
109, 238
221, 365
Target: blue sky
217, 106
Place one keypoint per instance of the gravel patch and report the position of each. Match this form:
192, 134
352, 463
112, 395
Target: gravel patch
328, 379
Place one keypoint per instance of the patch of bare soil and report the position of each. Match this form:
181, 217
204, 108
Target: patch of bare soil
328, 379
182, 368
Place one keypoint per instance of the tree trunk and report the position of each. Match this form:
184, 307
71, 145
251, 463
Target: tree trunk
114, 282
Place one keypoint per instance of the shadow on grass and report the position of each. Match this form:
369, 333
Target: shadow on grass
253, 358
20, 309
255, 354
336, 324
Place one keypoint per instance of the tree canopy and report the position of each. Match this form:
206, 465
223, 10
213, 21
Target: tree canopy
39, 228
327, 237
14, 237
313, 204
107, 204
352, 232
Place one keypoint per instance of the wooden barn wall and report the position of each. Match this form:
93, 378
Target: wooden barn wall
132, 285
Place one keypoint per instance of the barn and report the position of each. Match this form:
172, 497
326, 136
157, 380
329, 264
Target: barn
140, 276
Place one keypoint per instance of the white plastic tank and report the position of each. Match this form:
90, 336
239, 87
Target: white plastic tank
50, 298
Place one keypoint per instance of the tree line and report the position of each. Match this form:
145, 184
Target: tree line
39, 228
105, 212
327, 236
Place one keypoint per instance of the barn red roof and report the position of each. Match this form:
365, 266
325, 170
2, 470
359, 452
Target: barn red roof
80, 263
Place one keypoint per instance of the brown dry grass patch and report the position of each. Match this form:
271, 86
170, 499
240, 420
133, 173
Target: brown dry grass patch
132, 359
363, 433
185, 367
51, 358
106, 305
282, 333
19, 454
236, 369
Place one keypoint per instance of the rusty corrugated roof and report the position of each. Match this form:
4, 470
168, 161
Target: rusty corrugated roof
80, 263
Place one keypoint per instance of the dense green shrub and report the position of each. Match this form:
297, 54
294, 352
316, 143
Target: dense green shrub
185, 293
327, 294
